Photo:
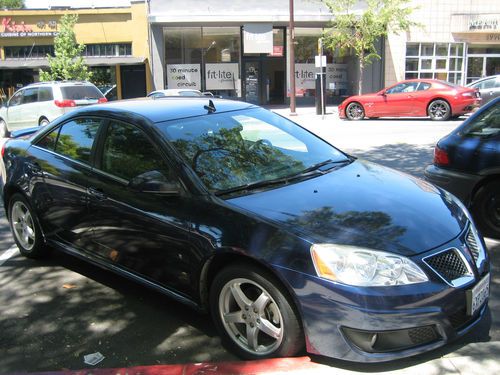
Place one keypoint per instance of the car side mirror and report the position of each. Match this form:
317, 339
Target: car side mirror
383, 93
154, 182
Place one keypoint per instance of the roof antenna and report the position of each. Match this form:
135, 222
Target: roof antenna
210, 107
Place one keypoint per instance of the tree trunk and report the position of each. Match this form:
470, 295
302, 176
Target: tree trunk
361, 67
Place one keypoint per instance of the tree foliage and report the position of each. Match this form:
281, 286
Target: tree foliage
360, 29
67, 63
11, 4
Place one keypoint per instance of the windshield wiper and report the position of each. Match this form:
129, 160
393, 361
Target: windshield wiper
311, 171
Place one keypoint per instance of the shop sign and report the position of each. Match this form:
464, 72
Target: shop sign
222, 76
305, 76
184, 76
12, 29
258, 38
336, 73
483, 23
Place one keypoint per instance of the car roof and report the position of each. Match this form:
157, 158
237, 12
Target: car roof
165, 108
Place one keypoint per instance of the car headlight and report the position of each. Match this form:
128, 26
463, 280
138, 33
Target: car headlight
358, 266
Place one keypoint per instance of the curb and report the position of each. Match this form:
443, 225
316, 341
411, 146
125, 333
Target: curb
266, 366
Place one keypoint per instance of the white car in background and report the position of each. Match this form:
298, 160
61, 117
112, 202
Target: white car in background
178, 92
40, 103
489, 88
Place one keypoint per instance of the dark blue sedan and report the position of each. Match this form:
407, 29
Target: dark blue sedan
288, 242
467, 163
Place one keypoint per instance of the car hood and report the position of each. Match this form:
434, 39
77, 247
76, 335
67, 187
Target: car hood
362, 204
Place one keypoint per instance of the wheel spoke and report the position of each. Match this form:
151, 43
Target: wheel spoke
270, 329
239, 296
30, 233
252, 337
234, 317
261, 302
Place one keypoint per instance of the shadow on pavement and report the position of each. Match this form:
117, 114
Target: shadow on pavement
404, 157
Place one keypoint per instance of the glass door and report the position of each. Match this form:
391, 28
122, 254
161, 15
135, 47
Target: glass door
252, 74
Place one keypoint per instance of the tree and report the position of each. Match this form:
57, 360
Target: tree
11, 4
67, 63
360, 30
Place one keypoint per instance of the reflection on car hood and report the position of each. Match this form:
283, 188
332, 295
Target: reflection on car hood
362, 204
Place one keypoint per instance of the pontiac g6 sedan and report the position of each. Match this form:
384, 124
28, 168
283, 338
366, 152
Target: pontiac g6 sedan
432, 98
288, 242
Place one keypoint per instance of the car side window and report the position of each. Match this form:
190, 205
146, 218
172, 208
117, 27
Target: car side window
49, 141
76, 138
396, 89
423, 86
16, 99
45, 94
30, 96
128, 153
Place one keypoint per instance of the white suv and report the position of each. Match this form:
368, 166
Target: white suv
40, 103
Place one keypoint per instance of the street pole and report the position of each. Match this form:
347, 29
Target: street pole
291, 42
320, 42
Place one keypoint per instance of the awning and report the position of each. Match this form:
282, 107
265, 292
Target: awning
91, 61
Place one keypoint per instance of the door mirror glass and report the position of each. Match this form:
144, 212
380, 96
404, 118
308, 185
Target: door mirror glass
154, 182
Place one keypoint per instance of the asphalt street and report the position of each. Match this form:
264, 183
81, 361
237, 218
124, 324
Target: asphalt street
53, 312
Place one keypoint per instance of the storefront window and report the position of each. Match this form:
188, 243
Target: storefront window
203, 58
28, 52
435, 60
306, 48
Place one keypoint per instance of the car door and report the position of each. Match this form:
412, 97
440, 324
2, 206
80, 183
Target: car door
397, 100
60, 167
14, 108
143, 232
29, 108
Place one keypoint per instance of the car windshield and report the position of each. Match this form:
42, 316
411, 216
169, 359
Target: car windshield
252, 146
486, 124
81, 92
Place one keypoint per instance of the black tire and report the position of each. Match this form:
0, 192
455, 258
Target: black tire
439, 110
355, 111
4, 132
263, 306
25, 229
486, 209
43, 121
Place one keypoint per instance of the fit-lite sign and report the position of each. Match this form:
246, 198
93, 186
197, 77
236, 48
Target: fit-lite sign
258, 38
184, 76
222, 76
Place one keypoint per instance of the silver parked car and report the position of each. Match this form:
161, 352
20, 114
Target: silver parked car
489, 87
40, 103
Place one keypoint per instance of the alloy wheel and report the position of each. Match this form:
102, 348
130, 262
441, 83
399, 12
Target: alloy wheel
439, 110
250, 316
355, 111
23, 225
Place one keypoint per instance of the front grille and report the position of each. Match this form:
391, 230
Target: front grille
422, 335
471, 242
449, 265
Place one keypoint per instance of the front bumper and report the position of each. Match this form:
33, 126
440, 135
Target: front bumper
383, 323
458, 183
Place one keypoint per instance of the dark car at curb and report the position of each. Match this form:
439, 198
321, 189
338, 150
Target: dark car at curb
467, 163
288, 242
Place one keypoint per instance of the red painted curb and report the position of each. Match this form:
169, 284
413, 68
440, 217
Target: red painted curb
266, 366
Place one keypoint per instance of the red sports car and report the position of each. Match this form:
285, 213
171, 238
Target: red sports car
439, 100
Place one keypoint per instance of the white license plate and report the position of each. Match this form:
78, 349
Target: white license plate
478, 295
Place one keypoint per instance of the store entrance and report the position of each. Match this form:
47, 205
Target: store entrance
264, 80
482, 66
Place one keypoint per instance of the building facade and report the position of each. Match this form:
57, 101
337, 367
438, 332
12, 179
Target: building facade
458, 41
239, 49
116, 41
